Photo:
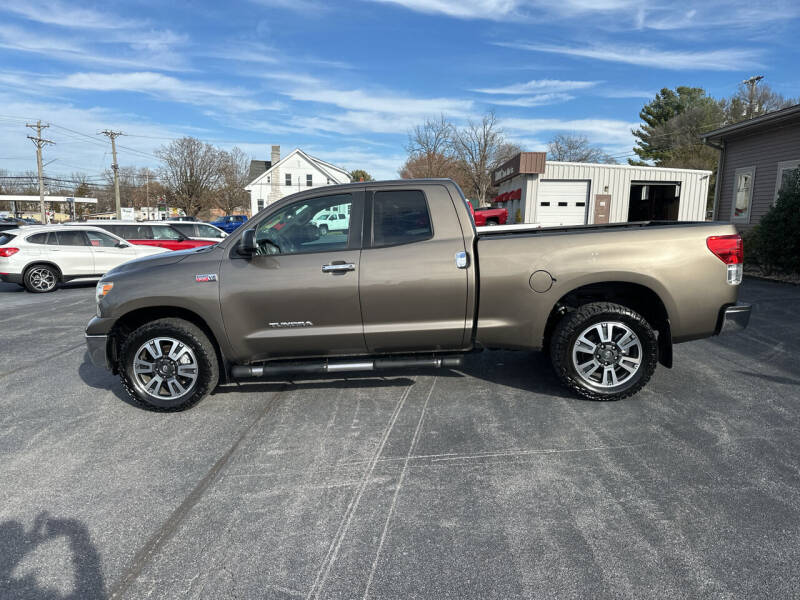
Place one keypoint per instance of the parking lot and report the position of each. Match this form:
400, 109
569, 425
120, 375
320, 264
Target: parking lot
488, 482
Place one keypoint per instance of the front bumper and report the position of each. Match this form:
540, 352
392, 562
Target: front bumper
734, 318
97, 346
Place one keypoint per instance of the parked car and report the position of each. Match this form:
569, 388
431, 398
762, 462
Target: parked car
9, 223
40, 257
151, 233
229, 223
198, 230
331, 221
488, 217
414, 284
183, 218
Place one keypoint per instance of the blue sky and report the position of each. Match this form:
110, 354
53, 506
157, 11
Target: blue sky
346, 81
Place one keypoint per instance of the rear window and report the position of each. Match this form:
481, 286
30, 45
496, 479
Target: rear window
5, 238
400, 217
186, 229
37, 238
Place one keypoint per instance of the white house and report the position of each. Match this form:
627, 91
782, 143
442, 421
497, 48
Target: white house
295, 172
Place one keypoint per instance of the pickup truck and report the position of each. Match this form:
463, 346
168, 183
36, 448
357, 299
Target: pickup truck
230, 223
488, 217
412, 284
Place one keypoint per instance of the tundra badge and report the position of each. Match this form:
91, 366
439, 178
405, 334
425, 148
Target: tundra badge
205, 278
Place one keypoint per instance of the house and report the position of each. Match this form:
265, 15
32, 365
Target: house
283, 176
549, 193
755, 157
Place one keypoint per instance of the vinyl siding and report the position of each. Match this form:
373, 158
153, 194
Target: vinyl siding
763, 150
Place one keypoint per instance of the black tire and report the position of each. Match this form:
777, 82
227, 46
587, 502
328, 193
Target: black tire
574, 324
41, 278
491, 223
323, 230
186, 333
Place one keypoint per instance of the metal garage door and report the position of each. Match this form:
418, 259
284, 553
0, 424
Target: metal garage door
562, 202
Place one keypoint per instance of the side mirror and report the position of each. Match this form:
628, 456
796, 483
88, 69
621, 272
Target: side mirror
247, 245
122, 245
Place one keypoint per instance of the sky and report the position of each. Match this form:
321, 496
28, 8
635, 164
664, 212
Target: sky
346, 81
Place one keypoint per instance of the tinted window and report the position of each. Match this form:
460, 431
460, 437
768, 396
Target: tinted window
132, 232
186, 229
301, 227
400, 217
6, 238
72, 238
161, 232
209, 231
38, 238
101, 240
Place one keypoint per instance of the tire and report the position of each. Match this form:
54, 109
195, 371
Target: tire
323, 230
623, 358
41, 279
187, 365
492, 223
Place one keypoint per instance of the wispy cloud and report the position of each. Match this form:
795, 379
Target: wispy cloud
164, 87
534, 100
731, 59
64, 15
607, 132
538, 86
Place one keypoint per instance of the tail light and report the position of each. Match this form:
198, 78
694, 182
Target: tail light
730, 250
6, 252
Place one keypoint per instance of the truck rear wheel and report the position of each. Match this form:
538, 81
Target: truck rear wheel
604, 351
168, 365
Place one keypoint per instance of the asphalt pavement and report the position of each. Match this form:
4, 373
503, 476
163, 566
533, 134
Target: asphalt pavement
486, 482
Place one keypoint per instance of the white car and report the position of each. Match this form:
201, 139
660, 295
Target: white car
195, 230
331, 221
39, 257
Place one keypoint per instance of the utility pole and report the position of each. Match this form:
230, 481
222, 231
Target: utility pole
40, 142
114, 166
751, 95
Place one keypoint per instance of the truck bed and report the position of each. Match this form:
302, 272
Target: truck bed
534, 228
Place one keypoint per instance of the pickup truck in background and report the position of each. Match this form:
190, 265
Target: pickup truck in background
230, 223
488, 217
411, 284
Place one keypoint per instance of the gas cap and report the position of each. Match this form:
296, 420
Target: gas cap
541, 281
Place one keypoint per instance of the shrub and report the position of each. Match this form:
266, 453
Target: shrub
775, 242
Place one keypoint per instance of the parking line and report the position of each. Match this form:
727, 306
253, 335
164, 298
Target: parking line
173, 522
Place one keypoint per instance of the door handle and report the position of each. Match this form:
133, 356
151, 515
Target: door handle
338, 267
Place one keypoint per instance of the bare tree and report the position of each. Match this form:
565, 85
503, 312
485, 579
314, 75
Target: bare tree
570, 147
191, 170
430, 147
230, 195
480, 146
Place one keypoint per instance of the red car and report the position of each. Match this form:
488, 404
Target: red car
488, 216
151, 233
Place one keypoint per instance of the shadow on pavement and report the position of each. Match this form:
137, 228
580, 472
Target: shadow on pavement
17, 544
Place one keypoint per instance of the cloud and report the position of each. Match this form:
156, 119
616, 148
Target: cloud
163, 86
607, 132
535, 100
64, 15
538, 86
360, 100
463, 9
678, 60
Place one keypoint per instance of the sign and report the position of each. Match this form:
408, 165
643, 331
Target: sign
127, 213
521, 164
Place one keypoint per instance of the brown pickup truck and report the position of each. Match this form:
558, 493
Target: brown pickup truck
409, 282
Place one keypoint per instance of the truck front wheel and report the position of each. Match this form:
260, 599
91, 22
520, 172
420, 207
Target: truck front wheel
604, 351
168, 365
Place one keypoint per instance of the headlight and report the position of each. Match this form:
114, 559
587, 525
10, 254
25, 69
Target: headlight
102, 289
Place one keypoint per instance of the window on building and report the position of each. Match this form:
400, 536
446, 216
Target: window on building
400, 217
308, 179
786, 170
743, 194
260, 204
288, 179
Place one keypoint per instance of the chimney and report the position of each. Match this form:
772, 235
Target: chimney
276, 155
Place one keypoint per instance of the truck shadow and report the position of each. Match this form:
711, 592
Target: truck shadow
29, 564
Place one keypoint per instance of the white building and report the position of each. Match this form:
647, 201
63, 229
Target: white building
295, 172
562, 193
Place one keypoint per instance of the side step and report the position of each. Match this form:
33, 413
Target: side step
342, 366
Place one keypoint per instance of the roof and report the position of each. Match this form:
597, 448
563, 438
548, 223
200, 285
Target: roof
772, 118
320, 165
66, 226
624, 166
257, 167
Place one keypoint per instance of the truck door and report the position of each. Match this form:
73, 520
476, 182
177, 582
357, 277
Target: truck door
413, 293
298, 296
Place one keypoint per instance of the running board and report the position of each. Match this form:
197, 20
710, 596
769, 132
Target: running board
343, 366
